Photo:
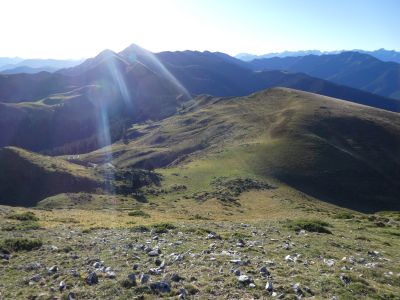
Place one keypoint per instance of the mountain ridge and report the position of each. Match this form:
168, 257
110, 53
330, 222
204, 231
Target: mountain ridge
360, 71
382, 54
114, 90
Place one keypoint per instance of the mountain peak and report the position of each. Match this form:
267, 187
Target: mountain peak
133, 52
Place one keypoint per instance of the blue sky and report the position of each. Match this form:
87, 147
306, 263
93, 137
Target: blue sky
74, 29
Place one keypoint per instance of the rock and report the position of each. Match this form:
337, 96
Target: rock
71, 296
264, 271
153, 253
269, 286
371, 265
308, 290
158, 262
155, 271
53, 269
144, 278
5, 256
135, 266
74, 273
245, 279
110, 275
213, 235
160, 287
92, 278
292, 258
53, 248
269, 263
286, 246
183, 294
32, 266
345, 279
241, 243
97, 265
62, 286
329, 262
373, 253
252, 285
162, 265
298, 291
236, 261
236, 272
178, 257
35, 278
132, 279
289, 258
175, 277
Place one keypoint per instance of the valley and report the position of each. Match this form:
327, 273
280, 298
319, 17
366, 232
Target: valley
196, 175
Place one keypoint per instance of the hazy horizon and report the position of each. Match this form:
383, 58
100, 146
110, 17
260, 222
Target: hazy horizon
75, 29
250, 53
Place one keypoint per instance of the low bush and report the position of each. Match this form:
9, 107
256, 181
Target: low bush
310, 226
138, 213
21, 226
140, 228
163, 227
20, 244
26, 216
344, 215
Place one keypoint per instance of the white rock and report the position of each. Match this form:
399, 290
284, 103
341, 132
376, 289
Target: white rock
329, 262
244, 278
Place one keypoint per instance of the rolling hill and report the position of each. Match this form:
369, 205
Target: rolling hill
27, 177
357, 70
334, 150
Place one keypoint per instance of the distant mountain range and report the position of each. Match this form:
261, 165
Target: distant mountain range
357, 70
19, 65
87, 106
382, 54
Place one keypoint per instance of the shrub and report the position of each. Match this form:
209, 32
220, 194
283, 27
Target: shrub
138, 213
310, 225
140, 228
344, 215
163, 227
199, 217
21, 226
26, 216
127, 284
21, 244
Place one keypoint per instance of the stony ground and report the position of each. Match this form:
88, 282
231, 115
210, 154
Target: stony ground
203, 259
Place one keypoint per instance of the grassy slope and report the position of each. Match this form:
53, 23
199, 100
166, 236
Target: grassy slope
261, 136
108, 236
333, 150
28, 177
